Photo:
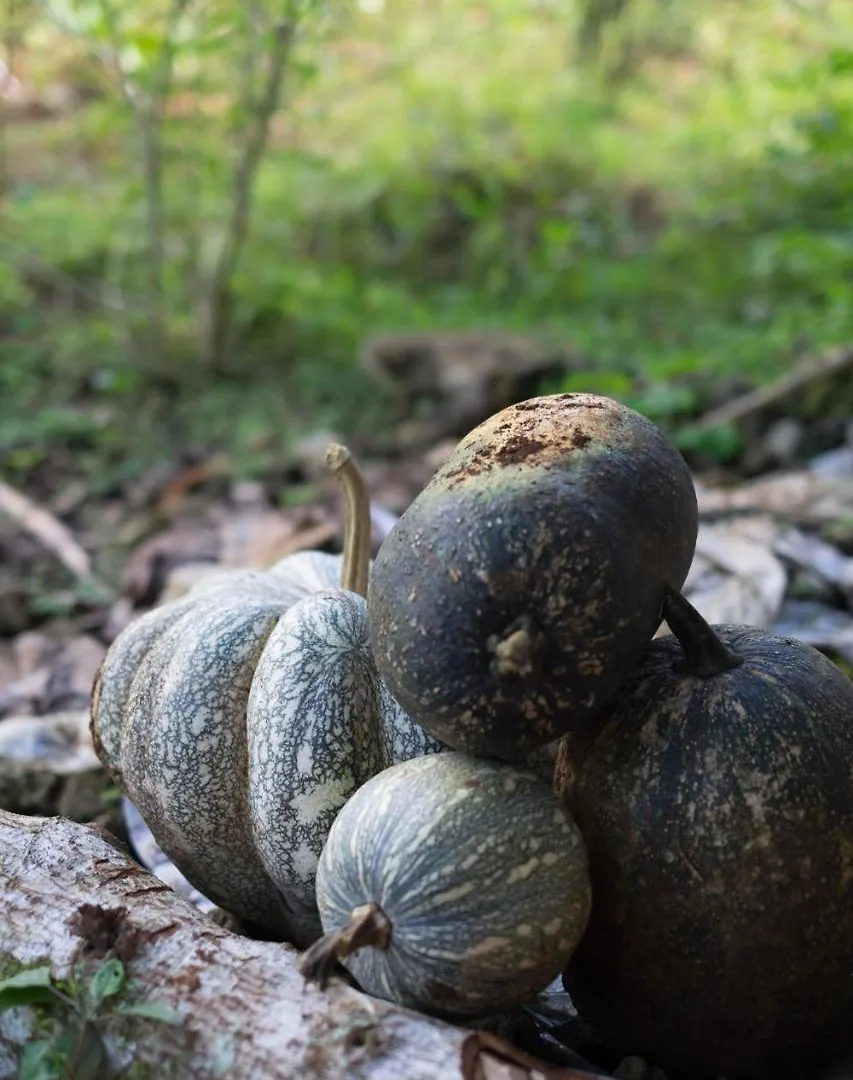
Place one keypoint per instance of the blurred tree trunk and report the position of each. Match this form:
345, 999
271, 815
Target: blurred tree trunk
259, 107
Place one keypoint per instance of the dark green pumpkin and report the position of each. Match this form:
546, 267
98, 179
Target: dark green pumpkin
521, 586
452, 885
717, 806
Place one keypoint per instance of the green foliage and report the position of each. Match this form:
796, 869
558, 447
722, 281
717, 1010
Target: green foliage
664, 189
73, 1044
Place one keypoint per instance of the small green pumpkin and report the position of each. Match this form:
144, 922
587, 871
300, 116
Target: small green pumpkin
521, 586
453, 885
240, 718
717, 806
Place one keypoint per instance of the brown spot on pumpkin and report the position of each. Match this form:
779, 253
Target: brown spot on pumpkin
517, 448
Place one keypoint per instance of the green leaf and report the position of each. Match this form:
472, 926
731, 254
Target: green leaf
106, 982
39, 1062
151, 1010
723, 443
88, 1059
32, 986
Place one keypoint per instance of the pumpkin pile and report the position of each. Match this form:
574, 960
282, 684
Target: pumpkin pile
316, 761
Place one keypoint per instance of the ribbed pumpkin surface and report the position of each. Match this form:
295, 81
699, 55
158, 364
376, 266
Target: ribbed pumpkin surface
320, 723
480, 871
173, 721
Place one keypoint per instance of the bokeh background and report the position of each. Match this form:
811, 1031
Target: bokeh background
211, 210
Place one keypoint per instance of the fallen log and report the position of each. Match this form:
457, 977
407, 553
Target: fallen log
69, 896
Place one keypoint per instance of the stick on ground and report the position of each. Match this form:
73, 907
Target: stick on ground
68, 897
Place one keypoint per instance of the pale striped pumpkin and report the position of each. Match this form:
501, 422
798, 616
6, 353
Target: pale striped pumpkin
240, 718
453, 885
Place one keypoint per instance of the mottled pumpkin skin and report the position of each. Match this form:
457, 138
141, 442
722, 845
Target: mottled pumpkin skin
718, 814
568, 514
481, 872
238, 720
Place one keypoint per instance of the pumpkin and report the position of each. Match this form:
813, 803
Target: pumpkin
241, 717
519, 589
717, 806
453, 885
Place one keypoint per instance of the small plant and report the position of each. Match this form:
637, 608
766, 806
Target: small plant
72, 1045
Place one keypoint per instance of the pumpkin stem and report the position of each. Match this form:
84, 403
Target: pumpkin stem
356, 565
705, 654
518, 651
368, 926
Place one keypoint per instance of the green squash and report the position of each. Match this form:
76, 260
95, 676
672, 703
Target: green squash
240, 718
519, 589
453, 885
717, 806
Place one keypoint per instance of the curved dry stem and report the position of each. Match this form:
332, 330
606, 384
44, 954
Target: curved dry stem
368, 926
705, 654
354, 573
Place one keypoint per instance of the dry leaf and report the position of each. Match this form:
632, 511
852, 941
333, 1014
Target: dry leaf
486, 1056
72, 672
46, 529
735, 577
32, 651
259, 538
118, 616
26, 696
818, 625
805, 550
150, 564
383, 521
800, 497
181, 579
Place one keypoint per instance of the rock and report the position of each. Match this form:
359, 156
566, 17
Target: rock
48, 766
59, 743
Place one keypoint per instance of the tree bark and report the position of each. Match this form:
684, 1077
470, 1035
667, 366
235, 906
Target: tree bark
69, 897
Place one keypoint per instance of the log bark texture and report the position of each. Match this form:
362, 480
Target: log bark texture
69, 897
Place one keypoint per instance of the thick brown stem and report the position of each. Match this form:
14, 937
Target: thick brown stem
705, 655
368, 926
354, 572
